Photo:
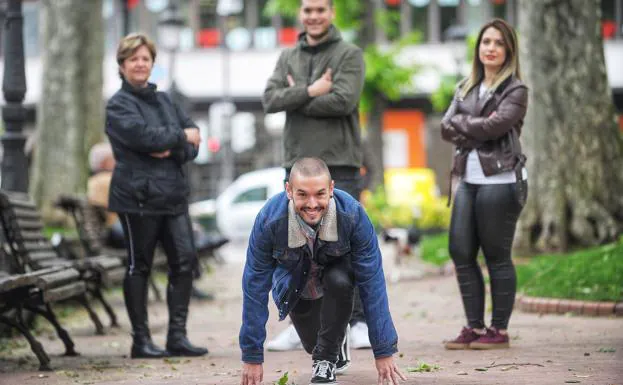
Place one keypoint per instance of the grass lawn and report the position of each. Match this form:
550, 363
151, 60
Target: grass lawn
594, 274
591, 274
434, 249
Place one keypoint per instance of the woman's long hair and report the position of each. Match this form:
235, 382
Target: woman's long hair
509, 67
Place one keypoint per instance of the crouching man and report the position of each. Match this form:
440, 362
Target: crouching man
312, 244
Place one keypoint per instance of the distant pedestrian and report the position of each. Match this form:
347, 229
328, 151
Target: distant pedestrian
318, 84
152, 138
312, 244
484, 123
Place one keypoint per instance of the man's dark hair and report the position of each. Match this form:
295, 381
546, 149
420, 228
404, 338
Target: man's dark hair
309, 167
330, 3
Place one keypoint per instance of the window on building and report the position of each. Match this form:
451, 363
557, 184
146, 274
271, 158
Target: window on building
611, 19
498, 8
419, 17
449, 10
265, 21
208, 18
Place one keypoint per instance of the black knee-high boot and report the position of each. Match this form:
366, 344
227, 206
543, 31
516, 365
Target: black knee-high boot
178, 298
135, 294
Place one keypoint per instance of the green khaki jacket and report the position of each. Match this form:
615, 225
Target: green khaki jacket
325, 126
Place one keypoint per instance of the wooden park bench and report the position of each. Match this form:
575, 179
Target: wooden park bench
35, 291
31, 250
90, 221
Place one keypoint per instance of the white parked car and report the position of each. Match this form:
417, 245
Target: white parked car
237, 206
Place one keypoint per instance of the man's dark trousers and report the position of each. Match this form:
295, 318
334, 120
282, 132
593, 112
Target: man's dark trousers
321, 323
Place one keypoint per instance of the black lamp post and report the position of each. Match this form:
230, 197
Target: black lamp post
14, 161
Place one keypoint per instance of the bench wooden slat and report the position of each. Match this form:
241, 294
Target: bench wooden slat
64, 292
32, 236
26, 214
37, 246
29, 224
38, 256
58, 278
26, 205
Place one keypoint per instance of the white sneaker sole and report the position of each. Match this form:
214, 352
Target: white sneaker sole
343, 369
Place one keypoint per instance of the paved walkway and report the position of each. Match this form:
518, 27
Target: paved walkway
549, 349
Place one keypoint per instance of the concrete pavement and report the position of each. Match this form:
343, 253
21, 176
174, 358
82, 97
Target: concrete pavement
550, 349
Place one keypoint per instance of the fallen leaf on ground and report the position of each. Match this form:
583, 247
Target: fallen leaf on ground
481, 369
607, 350
423, 367
461, 374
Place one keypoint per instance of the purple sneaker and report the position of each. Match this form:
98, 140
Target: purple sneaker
492, 340
463, 341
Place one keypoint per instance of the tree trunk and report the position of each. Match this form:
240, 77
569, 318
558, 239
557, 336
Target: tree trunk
374, 125
574, 149
375, 141
70, 112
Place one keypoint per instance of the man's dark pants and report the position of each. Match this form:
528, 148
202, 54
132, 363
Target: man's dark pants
322, 322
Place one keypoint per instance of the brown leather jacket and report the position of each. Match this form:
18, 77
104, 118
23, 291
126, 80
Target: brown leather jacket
491, 125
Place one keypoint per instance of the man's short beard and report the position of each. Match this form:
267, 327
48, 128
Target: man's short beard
320, 36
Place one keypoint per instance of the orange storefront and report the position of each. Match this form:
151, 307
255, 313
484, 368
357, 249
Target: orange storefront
404, 138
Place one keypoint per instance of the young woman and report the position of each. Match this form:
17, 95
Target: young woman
484, 123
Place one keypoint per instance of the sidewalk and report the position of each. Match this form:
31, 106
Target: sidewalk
550, 349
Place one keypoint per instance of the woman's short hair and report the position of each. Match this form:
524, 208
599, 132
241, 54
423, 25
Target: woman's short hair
510, 67
130, 44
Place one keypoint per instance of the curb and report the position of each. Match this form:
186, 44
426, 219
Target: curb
562, 306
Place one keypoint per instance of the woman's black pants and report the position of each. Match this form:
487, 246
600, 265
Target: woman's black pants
142, 234
484, 217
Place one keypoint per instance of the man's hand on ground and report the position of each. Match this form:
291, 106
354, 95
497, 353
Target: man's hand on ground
321, 86
389, 374
161, 155
252, 374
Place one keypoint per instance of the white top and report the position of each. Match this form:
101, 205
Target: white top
473, 169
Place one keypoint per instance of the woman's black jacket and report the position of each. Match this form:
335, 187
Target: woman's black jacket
140, 122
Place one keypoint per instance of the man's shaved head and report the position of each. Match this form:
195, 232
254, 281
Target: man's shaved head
309, 167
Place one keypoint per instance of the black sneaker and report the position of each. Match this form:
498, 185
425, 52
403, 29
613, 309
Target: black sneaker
323, 372
343, 357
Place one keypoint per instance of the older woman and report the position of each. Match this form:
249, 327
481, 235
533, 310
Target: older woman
151, 140
484, 123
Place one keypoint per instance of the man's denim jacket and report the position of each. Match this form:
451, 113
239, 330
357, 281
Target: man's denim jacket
278, 259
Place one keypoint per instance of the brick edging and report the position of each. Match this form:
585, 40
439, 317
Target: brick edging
562, 306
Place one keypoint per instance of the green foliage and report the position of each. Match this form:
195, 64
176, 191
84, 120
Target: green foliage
434, 249
346, 11
591, 274
388, 21
288, 8
69, 233
382, 215
442, 96
431, 214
